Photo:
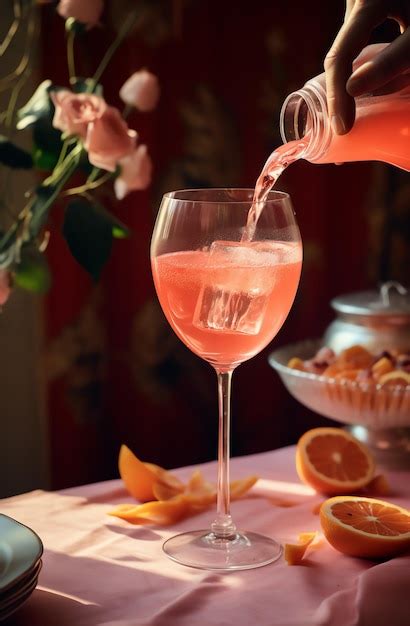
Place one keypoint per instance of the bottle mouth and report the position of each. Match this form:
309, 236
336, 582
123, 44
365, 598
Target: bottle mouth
304, 115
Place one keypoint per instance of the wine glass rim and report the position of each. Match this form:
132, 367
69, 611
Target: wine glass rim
273, 195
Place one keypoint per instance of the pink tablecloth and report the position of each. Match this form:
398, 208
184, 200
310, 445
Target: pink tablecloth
99, 570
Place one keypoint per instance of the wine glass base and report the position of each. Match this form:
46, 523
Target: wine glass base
203, 550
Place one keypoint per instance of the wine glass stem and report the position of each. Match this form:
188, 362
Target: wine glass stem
223, 526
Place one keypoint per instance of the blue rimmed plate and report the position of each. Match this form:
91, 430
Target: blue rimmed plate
20, 551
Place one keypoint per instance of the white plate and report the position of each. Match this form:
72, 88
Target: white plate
20, 549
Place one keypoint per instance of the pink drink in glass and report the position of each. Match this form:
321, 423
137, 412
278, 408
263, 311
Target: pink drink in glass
258, 288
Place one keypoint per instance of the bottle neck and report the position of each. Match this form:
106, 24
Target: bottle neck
304, 114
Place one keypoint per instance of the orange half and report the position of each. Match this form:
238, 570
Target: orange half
365, 527
333, 462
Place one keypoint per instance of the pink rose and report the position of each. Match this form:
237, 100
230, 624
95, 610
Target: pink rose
136, 169
85, 11
141, 90
74, 111
109, 139
5, 286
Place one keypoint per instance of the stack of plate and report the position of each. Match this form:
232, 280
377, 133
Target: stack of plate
20, 564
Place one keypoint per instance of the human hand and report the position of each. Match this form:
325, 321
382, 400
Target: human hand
342, 86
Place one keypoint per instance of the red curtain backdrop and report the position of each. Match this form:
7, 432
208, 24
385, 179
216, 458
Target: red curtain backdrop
116, 373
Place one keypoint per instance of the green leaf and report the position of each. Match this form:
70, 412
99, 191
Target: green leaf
119, 229
47, 193
38, 106
44, 160
88, 234
13, 156
86, 85
46, 140
32, 272
39, 113
120, 232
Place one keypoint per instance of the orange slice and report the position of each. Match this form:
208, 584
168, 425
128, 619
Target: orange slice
365, 527
356, 357
241, 486
395, 378
296, 364
294, 552
165, 488
199, 492
333, 462
166, 499
162, 513
139, 478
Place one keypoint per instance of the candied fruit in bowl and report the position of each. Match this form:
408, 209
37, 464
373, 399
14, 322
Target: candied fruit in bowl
358, 364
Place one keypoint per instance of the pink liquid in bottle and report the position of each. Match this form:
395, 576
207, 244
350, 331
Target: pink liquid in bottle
381, 132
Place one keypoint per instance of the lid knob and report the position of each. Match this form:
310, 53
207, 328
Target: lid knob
385, 291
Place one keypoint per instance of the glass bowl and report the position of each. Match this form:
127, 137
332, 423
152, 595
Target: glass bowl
377, 415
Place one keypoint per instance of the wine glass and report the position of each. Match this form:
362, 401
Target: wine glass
226, 297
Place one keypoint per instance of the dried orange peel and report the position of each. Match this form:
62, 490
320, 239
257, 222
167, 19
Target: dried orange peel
140, 478
165, 498
295, 552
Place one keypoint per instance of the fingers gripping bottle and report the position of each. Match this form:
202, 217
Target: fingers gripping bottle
381, 131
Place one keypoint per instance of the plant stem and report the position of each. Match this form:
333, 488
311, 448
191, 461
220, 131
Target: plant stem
63, 154
61, 166
94, 174
70, 55
55, 184
87, 186
223, 526
125, 29
30, 222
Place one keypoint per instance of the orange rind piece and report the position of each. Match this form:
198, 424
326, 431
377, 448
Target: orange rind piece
381, 367
241, 486
166, 499
347, 374
296, 364
162, 513
295, 552
199, 492
140, 478
356, 357
397, 378
331, 371
163, 490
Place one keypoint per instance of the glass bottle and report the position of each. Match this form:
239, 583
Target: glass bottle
381, 131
